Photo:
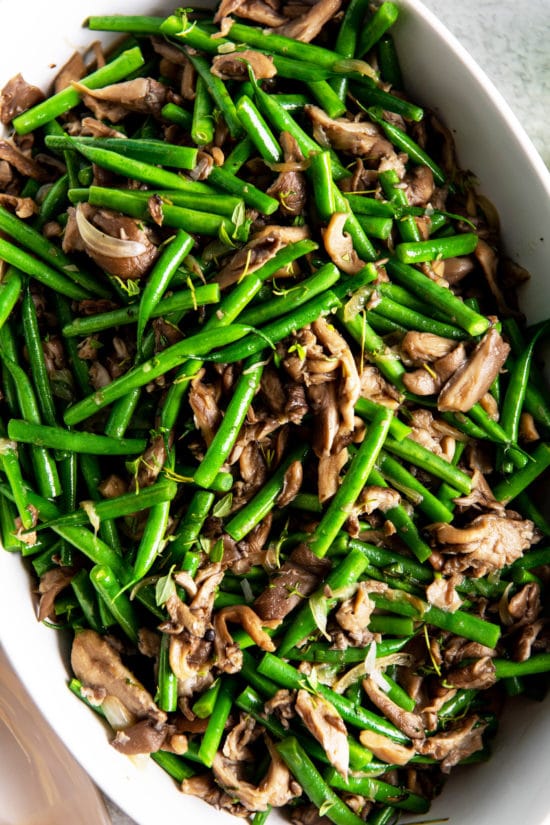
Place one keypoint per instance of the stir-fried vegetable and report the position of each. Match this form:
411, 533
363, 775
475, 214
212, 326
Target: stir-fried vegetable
266, 400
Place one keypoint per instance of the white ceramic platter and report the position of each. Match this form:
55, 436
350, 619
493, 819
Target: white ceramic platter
513, 787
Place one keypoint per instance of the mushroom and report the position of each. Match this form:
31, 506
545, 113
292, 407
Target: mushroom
339, 245
473, 379
143, 95
263, 246
359, 138
407, 721
16, 97
325, 723
307, 26
227, 652
296, 578
235, 65
451, 746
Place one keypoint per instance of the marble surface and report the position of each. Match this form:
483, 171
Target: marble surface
509, 40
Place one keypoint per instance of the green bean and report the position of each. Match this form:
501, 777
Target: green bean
10, 290
250, 194
538, 663
37, 361
418, 455
136, 24
173, 765
149, 151
41, 271
528, 508
436, 248
361, 243
44, 466
258, 131
226, 434
167, 683
375, 226
109, 589
385, 359
323, 279
57, 104
291, 102
346, 43
214, 731
321, 175
507, 489
388, 61
494, 432
326, 97
9, 463
383, 18
400, 139
190, 526
393, 625
176, 114
278, 329
220, 95
53, 202
260, 505
304, 623
352, 484
59, 438
369, 94
407, 226
532, 559
87, 599
411, 319
314, 786
196, 345
204, 705
412, 488
8, 513
202, 125
319, 652
367, 409
177, 302
375, 789
159, 278
238, 156
152, 540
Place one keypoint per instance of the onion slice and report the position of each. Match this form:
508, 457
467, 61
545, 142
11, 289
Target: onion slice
100, 243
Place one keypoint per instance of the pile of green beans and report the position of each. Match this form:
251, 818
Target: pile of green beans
151, 436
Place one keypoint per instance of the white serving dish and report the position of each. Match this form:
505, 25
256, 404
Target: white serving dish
511, 788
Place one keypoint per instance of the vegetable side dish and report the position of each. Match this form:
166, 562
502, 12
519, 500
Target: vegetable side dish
272, 422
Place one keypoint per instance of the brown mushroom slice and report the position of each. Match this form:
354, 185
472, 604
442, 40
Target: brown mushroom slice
99, 666
422, 347
307, 26
454, 745
23, 207
263, 246
204, 787
276, 788
478, 675
325, 723
143, 95
146, 736
298, 577
420, 186
385, 749
360, 138
260, 12
25, 165
473, 379
235, 65
488, 543
228, 654
339, 245
16, 97
349, 388
407, 721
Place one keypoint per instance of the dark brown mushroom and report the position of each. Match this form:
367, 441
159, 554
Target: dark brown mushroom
307, 26
235, 65
143, 95
359, 138
298, 577
16, 97
327, 726
472, 380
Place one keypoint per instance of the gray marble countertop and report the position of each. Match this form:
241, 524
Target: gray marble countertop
509, 40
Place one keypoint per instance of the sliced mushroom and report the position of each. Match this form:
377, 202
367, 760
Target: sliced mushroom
407, 721
298, 577
235, 65
259, 11
359, 138
451, 746
386, 749
263, 246
142, 95
325, 723
25, 165
16, 97
339, 245
473, 379
307, 26
425, 347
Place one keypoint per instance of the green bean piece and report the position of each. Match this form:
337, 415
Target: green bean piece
167, 683
54, 201
226, 434
383, 18
376, 227
214, 731
507, 489
190, 526
411, 319
352, 484
10, 290
37, 361
196, 345
260, 505
152, 540
110, 590
319, 652
52, 107
327, 98
388, 61
87, 599
204, 705
238, 156
313, 784
176, 114
418, 455
8, 513
159, 278
436, 248
400, 139
218, 90
530, 510
136, 24
407, 484
385, 359
41, 271
361, 243
537, 663
292, 102
260, 817
250, 194
324, 279
59, 438
392, 625
305, 622
277, 330
375, 789
258, 131
494, 432
321, 176
10, 466
150, 151
91, 474
346, 43
173, 765
202, 125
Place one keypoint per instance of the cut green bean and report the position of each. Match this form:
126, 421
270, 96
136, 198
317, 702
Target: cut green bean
109, 589
437, 248
258, 131
41, 271
383, 18
214, 731
507, 489
378, 791
58, 438
167, 682
202, 125
149, 151
400, 139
